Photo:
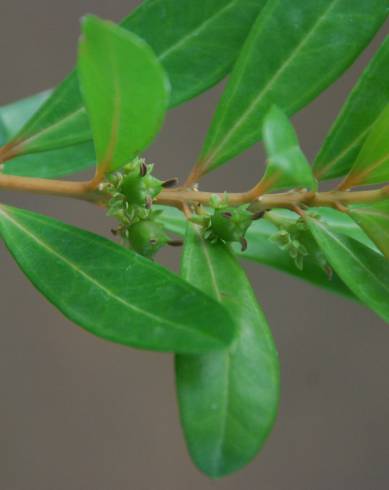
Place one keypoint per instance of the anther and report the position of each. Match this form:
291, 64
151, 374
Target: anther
170, 183
143, 169
243, 243
175, 243
149, 202
258, 215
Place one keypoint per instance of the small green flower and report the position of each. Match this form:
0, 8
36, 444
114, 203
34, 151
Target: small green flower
138, 185
230, 224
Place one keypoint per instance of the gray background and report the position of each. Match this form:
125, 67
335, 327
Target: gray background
77, 413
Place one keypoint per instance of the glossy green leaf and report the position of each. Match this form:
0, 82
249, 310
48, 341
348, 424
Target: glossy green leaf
263, 251
125, 91
295, 50
358, 115
228, 400
372, 164
113, 292
374, 219
343, 224
45, 164
15, 115
197, 41
53, 163
364, 271
287, 165
209, 33
47, 131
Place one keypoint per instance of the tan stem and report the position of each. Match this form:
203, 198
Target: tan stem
85, 191
88, 191
289, 200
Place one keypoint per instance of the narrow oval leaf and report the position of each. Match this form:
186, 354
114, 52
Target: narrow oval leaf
372, 164
358, 115
197, 42
364, 271
294, 51
124, 88
113, 292
374, 219
287, 165
228, 400
45, 164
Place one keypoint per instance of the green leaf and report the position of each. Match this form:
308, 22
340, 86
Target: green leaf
46, 131
197, 41
295, 50
287, 165
374, 219
53, 163
16, 114
228, 400
358, 115
209, 33
345, 225
364, 271
372, 164
113, 292
45, 164
125, 91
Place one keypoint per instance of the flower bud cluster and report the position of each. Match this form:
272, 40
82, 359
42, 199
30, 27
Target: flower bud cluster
224, 222
132, 191
297, 240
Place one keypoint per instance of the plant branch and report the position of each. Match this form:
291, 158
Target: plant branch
85, 191
182, 197
289, 200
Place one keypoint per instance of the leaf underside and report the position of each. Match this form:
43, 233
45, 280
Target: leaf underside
228, 400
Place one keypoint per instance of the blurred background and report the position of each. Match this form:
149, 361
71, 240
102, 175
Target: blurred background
78, 413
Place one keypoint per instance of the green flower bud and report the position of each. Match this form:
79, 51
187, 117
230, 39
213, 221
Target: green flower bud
230, 224
138, 185
147, 237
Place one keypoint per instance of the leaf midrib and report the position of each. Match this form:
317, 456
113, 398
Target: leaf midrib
89, 278
195, 31
52, 127
323, 171
227, 381
352, 255
252, 107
